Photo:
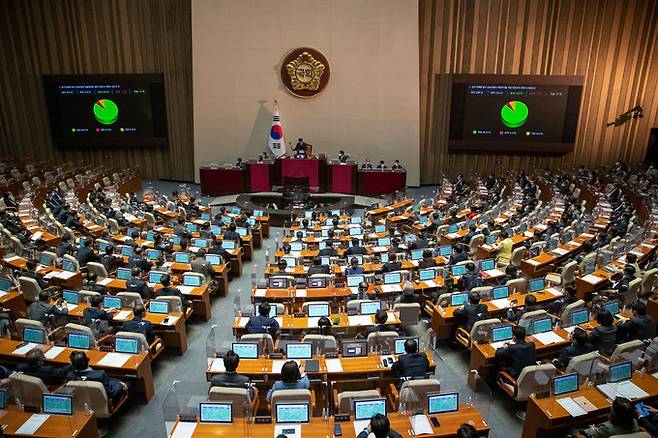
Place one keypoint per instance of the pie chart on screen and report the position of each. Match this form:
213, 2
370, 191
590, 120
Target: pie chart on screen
106, 112
514, 114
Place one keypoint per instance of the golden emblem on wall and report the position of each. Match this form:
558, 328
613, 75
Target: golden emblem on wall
305, 72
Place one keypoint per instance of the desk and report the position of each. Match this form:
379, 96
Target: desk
379, 212
536, 266
79, 425
67, 280
313, 168
286, 295
260, 176
342, 177
217, 181
379, 182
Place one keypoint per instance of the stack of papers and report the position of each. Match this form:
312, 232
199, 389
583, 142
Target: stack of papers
53, 352
553, 291
626, 389
430, 283
334, 365
171, 321
388, 288
25, 348
420, 425
502, 303
124, 314
499, 344
591, 278
533, 262
548, 338
494, 272
300, 293
242, 321
260, 292
65, 275
105, 281
355, 320
277, 365
560, 251
36, 236
33, 424
360, 425
184, 429
186, 289
114, 360
11, 259
217, 366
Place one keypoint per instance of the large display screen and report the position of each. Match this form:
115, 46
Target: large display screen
514, 113
107, 110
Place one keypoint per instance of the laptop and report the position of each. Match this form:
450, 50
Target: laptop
564, 384
155, 276
159, 307
79, 341
68, 265
536, 284
292, 413
458, 299
427, 274
317, 310
370, 307
299, 350
110, 302
228, 245
57, 404
123, 274
245, 350
500, 292
34, 335
71, 296
399, 344
214, 412
366, 409
441, 403
354, 348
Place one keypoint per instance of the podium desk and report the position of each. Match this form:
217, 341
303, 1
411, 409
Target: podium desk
342, 177
217, 181
379, 182
260, 176
312, 168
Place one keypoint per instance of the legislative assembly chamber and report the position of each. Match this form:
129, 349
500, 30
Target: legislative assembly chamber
329, 218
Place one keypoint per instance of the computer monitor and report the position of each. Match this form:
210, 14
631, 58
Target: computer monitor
354, 348
182, 257
214, 259
112, 302
291, 261
410, 238
203, 243
589, 266
296, 246
453, 228
325, 260
3, 399
214, 412
565, 384
612, 306
424, 219
542, 325
427, 274
126, 345
45, 260
487, 265
399, 343
356, 231
441, 403
150, 236
192, 228
273, 310
246, 350
500, 292
322, 245
242, 231
228, 245
235, 210
216, 230
335, 212
384, 241
318, 310
370, 307
34, 335
536, 284
380, 228
366, 409
292, 413
299, 350
161, 307
384, 257
57, 404
356, 219
152, 254
80, 341
205, 217
445, 251
392, 278
102, 246
458, 299
68, 265
317, 282
501, 333
458, 270
621, 371
124, 274
258, 213
490, 240
176, 240
155, 276
354, 280
416, 254
604, 258
71, 296
579, 317
277, 283
192, 280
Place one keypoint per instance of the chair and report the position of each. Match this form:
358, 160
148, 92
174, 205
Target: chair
175, 304
586, 365
627, 351
413, 393
568, 274
649, 280
131, 299
98, 269
16, 245
344, 401
566, 314
93, 393
533, 378
528, 317
650, 357
475, 243
409, 313
238, 397
517, 286
150, 219
382, 341
21, 323
154, 348
113, 225
321, 343
28, 389
85, 295
292, 396
518, 254
306, 304
83, 329
641, 434
30, 288
480, 330
630, 296
264, 340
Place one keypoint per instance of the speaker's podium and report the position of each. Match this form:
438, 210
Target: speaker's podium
260, 175
300, 170
342, 176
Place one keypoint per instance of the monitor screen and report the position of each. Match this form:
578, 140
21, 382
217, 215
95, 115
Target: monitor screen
366, 409
380, 228
123, 273
384, 241
228, 245
355, 348
296, 246
370, 307
384, 257
458, 299
355, 231
68, 265
565, 384
318, 310
182, 257
487, 265
612, 306
324, 260
57, 404
191, 227
501, 333
453, 228
34, 335
127, 251
258, 213
152, 254
410, 238
176, 240
354, 280
427, 274
214, 259
579, 317
291, 261
216, 230
278, 283
79, 341
272, 313
416, 254
536, 284
3, 399
490, 240
356, 219
458, 270
6, 284
292, 413
399, 344
621, 371
542, 325
102, 245
605, 258
440, 403
392, 278
46, 260
299, 350
71, 296
500, 292
445, 251
335, 212
192, 280
161, 307
245, 350
110, 302
215, 412
424, 219
126, 345
203, 243
155, 276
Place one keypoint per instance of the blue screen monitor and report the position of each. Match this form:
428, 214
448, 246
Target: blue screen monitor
291, 261
214, 259
324, 260
102, 246
501, 333
487, 265
182, 257
155, 276
490, 240
335, 212
318, 310
370, 307
126, 345
384, 257
34, 335
124, 274
440, 403
366, 409
46, 260
71, 296
458, 299
79, 341
161, 307
258, 213
57, 404
565, 384
354, 280
427, 274
205, 217
110, 302
542, 325
203, 243
416, 254
384, 241
621, 371
392, 278
458, 270
292, 413
192, 280
3, 399
68, 265
5, 284
356, 231
176, 240
536, 284
245, 350
192, 228
579, 317
152, 254
127, 251
445, 251
453, 228
424, 219
272, 313
612, 306
228, 245
380, 228
299, 350
410, 238
356, 219
500, 292
213, 412
296, 246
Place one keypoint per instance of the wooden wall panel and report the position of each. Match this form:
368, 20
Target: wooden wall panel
40, 37
612, 43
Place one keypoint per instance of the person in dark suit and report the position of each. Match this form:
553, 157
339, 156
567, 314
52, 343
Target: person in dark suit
427, 261
137, 260
218, 249
91, 284
380, 427
529, 305
392, 264
558, 306
356, 248
408, 295
40, 310
396, 165
625, 281
380, 323
179, 229
411, 363
139, 325
86, 254
419, 243
35, 367
381, 165
115, 389
354, 268
262, 323
471, 312
472, 231
168, 291
109, 260
329, 250
472, 278
31, 272
460, 254
136, 284
520, 353
641, 326
95, 313
579, 345
65, 246
342, 157
231, 234
300, 148
318, 267
604, 336
230, 378
366, 165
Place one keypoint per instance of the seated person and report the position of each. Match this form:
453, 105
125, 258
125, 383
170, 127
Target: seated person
200, 264
136, 284
366, 165
139, 325
31, 272
604, 336
86, 254
91, 284
579, 345
168, 291
471, 312
354, 268
95, 313
363, 293
427, 261
625, 281
65, 246
420, 242
529, 305
641, 326
35, 367
115, 389
396, 165
109, 260
392, 264
622, 421
380, 323
408, 295
448, 287
329, 250
411, 363
471, 278
381, 165
218, 249
291, 378
356, 248
631, 260
262, 323
300, 148
137, 260
511, 273
467, 431
519, 352
41, 309
380, 427
460, 254
318, 267
504, 249
230, 378
231, 234
342, 157
558, 306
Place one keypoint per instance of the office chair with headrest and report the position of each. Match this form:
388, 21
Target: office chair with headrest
98, 269
413, 393
265, 341
528, 317
292, 396
565, 318
409, 313
631, 294
238, 397
480, 330
533, 379
587, 365
93, 393
517, 286
321, 343
28, 389
382, 341
518, 254
344, 401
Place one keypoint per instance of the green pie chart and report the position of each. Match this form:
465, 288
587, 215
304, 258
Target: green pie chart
106, 111
514, 114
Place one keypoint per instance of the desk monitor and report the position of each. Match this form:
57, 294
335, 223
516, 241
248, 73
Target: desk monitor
126, 345
318, 310
501, 333
384, 241
445, 251
325, 260
500, 292
102, 245
621, 371
453, 228
579, 317
182, 257
152, 254
410, 238
123, 274
245, 350
228, 245
383, 257
299, 350
358, 257
370, 307
175, 240
536, 284
6, 284
45, 260
604, 258
258, 213
150, 236
458, 299
278, 283
317, 282
205, 217
354, 348
356, 219
203, 243
612, 306
34, 335
380, 228
292, 413
399, 344
216, 230
296, 246
112, 302
273, 310
487, 265
3, 399
335, 212
192, 228
542, 325
441, 403
458, 270
366, 409
424, 219
161, 307
427, 274
565, 384
589, 266
192, 280
68, 265
354, 280
322, 245
57, 404
416, 254
214, 259
80, 341
291, 261
155, 276
392, 278
213, 412
71, 296
490, 240
242, 231
356, 231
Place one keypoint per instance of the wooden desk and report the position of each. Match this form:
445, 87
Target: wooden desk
328, 293
79, 424
73, 280
14, 301
536, 266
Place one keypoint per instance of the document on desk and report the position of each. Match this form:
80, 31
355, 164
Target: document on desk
355, 320
105, 281
360, 425
533, 262
217, 365
392, 316
50, 275
554, 292
499, 344
53, 352
288, 430
25, 348
548, 338
430, 283
185, 289
260, 292
420, 425
116, 360
626, 389
502, 303
300, 293
122, 315
32, 424
560, 251
591, 278
12, 259
528, 234
36, 236
354, 290
184, 429
172, 320
334, 365
389, 288
65, 275
312, 321
71, 307
277, 365
242, 322
494, 272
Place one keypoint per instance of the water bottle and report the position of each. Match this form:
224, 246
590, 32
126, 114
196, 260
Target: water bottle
87, 409
267, 257
253, 276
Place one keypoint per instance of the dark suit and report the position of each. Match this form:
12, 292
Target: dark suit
138, 285
572, 351
31, 274
329, 251
520, 355
391, 434
64, 248
48, 374
230, 380
354, 270
232, 235
138, 325
262, 324
411, 365
95, 288
470, 314
221, 251
113, 387
418, 244
172, 292
355, 250
86, 255
640, 327
468, 281
91, 313
391, 266
604, 338
137, 261
111, 262
38, 311
427, 263
319, 269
